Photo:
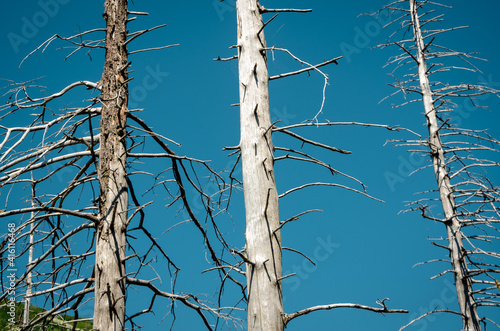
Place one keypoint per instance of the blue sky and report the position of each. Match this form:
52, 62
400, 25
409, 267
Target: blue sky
364, 250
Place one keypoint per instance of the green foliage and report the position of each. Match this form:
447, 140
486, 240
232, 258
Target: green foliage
56, 324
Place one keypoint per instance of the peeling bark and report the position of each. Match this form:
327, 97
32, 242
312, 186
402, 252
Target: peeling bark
109, 309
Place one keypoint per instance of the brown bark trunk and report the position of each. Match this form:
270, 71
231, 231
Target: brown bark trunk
463, 283
109, 309
263, 242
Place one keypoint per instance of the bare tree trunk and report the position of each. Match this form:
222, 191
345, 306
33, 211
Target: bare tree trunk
453, 227
263, 240
109, 310
29, 279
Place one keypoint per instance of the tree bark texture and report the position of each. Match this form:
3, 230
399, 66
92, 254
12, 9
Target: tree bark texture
453, 227
109, 309
263, 240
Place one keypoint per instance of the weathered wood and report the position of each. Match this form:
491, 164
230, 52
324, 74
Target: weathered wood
109, 309
263, 239
463, 283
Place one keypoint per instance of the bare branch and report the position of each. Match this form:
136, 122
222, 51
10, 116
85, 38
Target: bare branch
382, 310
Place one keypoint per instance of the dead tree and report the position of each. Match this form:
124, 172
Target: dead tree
263, 250
110, 275
468, 199
82, 214
263, 238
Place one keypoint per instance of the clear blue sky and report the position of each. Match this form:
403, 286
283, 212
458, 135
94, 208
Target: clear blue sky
187, 96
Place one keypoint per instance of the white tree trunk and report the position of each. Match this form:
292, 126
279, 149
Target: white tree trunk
263, 242
109, 309
453, 227
29, 279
